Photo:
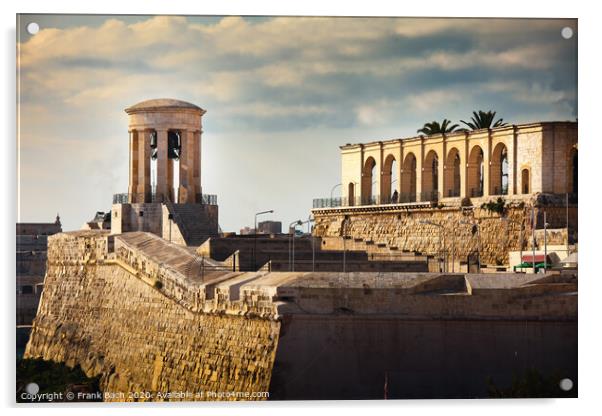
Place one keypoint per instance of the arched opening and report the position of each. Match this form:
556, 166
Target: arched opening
430, 177
351, 194
451, 179
407, 187
387, 179
475, 170
525, 181
572, 172
153, 163
368, 181
498, 178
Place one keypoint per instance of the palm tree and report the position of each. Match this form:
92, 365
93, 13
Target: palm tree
484, 120
435, 128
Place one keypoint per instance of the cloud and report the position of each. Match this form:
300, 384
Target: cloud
329, 78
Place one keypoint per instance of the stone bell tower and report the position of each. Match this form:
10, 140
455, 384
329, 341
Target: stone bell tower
164, 193
165, 131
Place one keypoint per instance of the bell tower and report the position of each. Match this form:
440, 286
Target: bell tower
164, 133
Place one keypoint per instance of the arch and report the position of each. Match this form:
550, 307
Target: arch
351, 194
573, 171
407, 185
386, 181
525, 181
475, 171
498, 176
367, 178
451, 175
430, 177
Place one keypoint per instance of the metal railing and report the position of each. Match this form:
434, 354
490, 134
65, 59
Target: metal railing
126, 198
476, 192
401, 198
432, 196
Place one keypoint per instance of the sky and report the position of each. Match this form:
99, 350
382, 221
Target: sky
281, 94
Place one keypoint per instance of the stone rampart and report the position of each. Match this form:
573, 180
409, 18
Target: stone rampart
296, 335
140, 338
412, 229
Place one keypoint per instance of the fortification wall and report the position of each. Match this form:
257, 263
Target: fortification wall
411, 229
298, 335
359, 357
97, 314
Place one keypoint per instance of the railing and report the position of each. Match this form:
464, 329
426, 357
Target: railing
374, 200
500, 191
432, 196
127, 198
476, 192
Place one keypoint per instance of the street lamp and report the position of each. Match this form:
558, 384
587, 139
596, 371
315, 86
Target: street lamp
313, 248
291, 257
441, 241
344, 232
331, 191
545, 243
271, 211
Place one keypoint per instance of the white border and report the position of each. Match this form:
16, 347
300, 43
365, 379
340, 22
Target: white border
590, 151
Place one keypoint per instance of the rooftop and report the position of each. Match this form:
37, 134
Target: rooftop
162, 103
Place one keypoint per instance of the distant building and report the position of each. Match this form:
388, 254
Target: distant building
247, 231
31, 267
269, 227
101, 221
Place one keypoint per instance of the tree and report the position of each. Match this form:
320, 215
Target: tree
435, 128
484, 120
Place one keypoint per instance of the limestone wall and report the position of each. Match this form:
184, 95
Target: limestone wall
409, 230
108, 320
295, 335
126, 217
354, 357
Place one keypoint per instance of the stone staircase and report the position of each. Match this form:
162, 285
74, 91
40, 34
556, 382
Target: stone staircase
192, 221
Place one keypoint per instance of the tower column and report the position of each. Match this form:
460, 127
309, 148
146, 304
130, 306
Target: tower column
143, 189
196, 154
186, 190
133, 173
162, 192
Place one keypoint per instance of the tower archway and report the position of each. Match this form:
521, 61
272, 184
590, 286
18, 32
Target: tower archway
452, 176
430, 177
475, 172
407, 186
498, 177
368, 173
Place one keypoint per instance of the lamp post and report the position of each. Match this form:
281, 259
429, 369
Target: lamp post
545, 243
291, 255
441, 241
331, 191
344, 232
533, 236
313, 248
391, 193
271, 211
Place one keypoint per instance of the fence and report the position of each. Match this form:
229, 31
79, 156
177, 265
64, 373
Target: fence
127, 198
400, 198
